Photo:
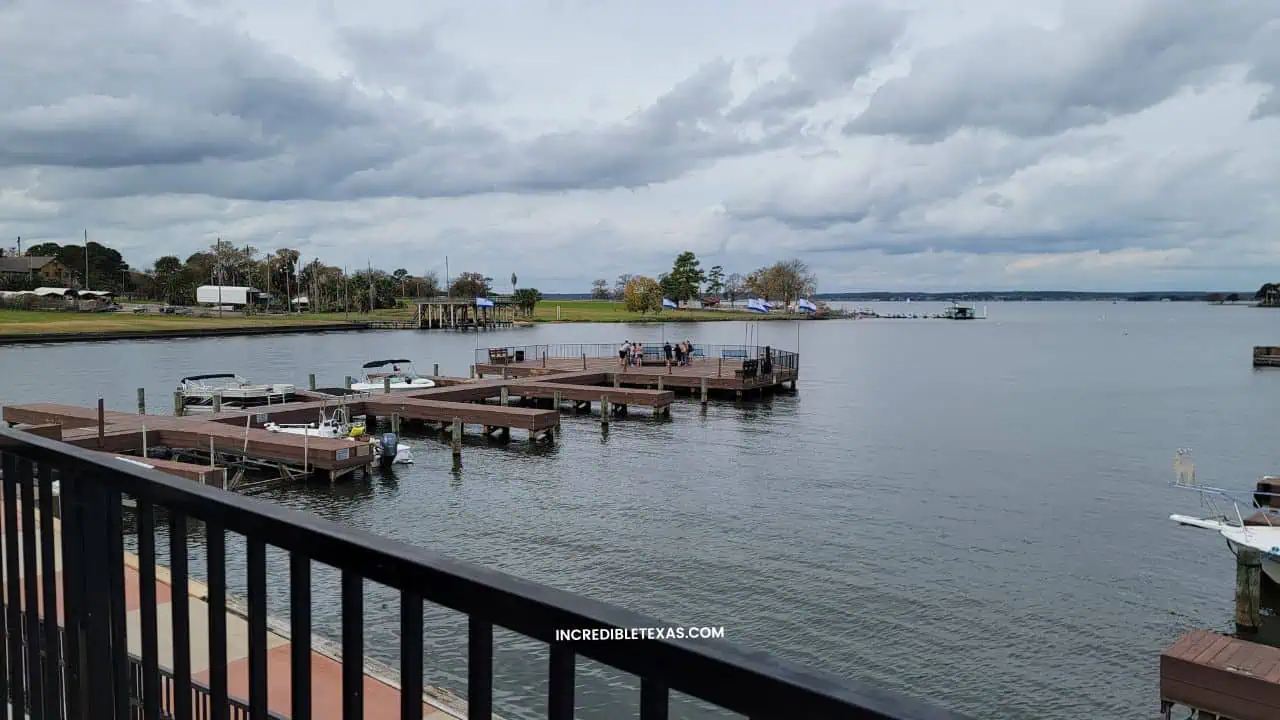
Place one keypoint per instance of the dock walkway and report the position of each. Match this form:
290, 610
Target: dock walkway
1220, 676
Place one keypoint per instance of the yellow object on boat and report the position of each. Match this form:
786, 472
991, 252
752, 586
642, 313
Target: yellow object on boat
357, 430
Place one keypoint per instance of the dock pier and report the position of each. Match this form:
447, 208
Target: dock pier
522, 388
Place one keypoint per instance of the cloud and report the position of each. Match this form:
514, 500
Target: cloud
843, 47
412, 58
1104, 60
890, 143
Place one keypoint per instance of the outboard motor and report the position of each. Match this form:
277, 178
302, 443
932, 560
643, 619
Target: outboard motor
388, 443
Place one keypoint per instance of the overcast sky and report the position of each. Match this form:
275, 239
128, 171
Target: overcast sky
891, 144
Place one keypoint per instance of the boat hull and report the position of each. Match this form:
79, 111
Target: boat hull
420, 384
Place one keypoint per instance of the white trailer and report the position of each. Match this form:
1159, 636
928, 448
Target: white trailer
226, 295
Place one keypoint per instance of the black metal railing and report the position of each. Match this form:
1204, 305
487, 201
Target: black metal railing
781, 359
101, 682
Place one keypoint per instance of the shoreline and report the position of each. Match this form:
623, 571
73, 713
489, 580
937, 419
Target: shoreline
70, 336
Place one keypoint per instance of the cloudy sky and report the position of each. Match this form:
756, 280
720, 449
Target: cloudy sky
892, 144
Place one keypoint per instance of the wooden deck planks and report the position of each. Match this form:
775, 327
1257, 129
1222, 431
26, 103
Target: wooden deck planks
593, 393
1221, 674
469, 413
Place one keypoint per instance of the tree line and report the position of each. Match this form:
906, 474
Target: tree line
785, 281
281, 274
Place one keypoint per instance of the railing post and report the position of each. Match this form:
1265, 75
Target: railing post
142, 401
311, 381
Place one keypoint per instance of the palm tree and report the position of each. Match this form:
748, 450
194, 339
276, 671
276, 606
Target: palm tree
513, 283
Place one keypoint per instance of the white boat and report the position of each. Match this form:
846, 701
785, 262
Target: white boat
1264, 538
199, 391
340, 425
400, 372
337, 425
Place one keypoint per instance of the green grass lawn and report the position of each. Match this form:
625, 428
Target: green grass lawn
28, 322
612, 311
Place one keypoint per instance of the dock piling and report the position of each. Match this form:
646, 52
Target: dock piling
102, 424
142, 401
386, 384
604, 412
502, 396
617, 380
659, 382
217, 402
455, 443
311, 381
704, 392
395, 423
144, 440
1248, 590
473, 372
555, 400
435, 370
179, 404
584, 361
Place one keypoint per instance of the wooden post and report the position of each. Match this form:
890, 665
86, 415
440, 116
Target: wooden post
386, 384
555, 400
719, 365
584, 361
178, 403
617, 379
504, 372
311, 381
604, 412
704, 392
473, 372
217, 402
502, 395
1248, 590
435, 370
102, 424
659, 382
395, 423
144, 440
142, 401
211, 456
348, 382
544, 359
455, 443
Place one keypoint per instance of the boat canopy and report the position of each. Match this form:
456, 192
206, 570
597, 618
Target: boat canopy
210, 376
380, 363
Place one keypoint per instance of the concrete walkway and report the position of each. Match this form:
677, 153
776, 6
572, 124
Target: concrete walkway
381, 694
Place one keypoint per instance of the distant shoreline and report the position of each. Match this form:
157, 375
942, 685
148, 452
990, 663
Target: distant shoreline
50, 338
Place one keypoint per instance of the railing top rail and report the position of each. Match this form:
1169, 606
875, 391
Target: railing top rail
713, 671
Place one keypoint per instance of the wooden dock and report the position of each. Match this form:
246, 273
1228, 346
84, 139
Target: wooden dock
464, 314
1220, 677
1266, 356
713, 369
525, 392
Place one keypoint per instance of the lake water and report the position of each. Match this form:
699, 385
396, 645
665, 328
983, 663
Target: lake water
973, 513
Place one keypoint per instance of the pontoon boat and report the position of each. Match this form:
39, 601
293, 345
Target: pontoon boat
400, 373
199, 391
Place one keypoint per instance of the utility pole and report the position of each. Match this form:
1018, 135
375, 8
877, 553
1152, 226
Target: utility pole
86, 258
217, 259
346, 299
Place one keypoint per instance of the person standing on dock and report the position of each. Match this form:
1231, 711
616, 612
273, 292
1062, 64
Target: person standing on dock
624, 352
666, 351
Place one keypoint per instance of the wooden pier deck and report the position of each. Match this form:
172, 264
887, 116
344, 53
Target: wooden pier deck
504, 395
1221, 677
716, 374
